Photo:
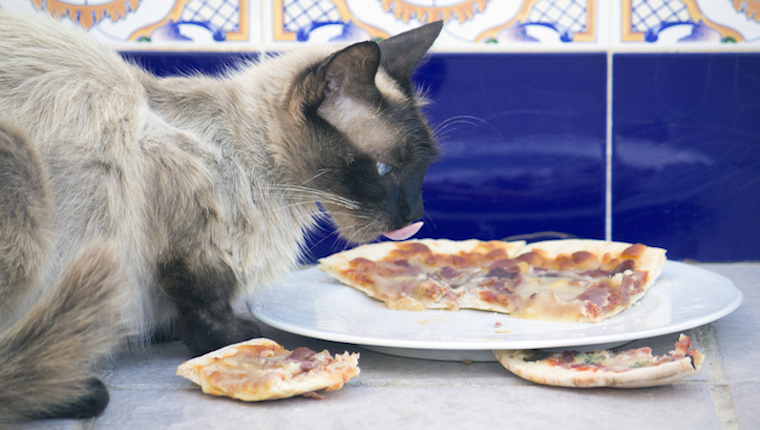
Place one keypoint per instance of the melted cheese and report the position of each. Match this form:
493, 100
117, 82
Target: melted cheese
414, 278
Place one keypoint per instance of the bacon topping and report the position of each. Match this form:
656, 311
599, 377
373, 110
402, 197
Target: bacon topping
506, 273
448, 273
634, 250
627, 264
300, 354
534, 258
304, 356
582, 257
501, 263
496, 254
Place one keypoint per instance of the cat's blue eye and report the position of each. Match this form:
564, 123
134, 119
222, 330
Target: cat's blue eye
383, 169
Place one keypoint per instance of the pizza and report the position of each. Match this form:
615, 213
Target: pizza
572, 280
261, 369
602, 368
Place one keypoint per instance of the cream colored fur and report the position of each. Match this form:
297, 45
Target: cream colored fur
185, 183
86, 107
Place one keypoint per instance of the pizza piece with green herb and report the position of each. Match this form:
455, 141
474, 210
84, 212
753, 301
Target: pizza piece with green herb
603, 368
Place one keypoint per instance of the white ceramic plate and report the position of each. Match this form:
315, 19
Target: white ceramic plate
310, 303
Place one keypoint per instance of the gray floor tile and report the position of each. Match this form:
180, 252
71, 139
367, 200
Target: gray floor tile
151, 369
406, 407
737, 334
747, 404
55, 425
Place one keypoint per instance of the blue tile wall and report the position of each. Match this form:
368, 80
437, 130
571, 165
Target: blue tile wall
184, 63
686, 159
523, 147
522, 139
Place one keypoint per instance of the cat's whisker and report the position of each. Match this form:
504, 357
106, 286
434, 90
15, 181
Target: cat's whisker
334, 234
324, 196
295, 205
452, 122
321, 172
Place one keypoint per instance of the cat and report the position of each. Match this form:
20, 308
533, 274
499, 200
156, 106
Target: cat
131, 204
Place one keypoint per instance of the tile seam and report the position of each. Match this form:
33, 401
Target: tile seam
720, 390
608, 128
608, 154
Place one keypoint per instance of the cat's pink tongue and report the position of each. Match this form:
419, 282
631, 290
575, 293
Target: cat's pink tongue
404, 233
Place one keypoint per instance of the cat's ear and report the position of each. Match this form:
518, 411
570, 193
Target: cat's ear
401, 53
349, 72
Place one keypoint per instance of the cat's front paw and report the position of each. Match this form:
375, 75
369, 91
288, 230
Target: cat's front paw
203, 338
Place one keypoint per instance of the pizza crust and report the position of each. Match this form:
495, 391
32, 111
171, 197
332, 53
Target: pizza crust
541, 372
651, 260
333, 264
270, 383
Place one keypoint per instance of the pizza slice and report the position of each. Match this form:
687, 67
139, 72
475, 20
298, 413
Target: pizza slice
417, 274
261, 369
631, 368
571, 280
560, 280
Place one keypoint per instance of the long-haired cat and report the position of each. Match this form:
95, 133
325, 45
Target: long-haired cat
129, 203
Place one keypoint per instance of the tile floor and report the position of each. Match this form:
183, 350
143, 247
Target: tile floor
401, 393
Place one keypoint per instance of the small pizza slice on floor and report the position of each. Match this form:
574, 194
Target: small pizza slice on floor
261, 369
631, 368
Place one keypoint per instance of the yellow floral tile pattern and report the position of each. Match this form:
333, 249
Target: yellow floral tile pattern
690, 22
155, 24
470, 25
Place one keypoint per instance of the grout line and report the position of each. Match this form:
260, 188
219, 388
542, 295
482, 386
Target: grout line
608, 155
608, 129
720, 390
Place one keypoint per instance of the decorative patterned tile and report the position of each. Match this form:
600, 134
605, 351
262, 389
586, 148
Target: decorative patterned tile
470, 24
705, 24
158, 24
686, 159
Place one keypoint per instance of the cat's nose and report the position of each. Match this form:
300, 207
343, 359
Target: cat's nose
412, 207
416, 211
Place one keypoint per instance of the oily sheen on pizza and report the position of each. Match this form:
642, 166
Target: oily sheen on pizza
261, 369
602, 368
578, 280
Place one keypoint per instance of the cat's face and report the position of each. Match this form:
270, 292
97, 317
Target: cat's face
370, 146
